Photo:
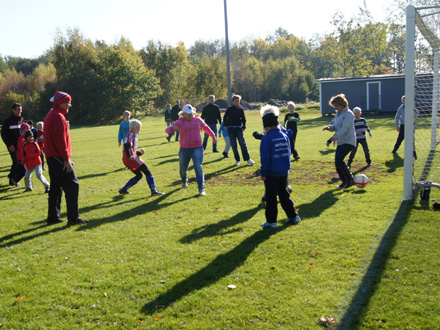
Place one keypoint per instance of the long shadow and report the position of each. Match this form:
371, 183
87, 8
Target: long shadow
95, 175
354, 314
394, 164
52, 229
153, 204
173, 160
218, 229
221, 266
319, 205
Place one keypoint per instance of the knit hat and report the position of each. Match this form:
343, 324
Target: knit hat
189, 109
60, 98
23, 127
270, 115
27, 134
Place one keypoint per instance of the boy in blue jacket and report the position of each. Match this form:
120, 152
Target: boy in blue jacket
275, 166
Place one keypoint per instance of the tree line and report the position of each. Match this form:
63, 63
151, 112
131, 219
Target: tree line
106, 79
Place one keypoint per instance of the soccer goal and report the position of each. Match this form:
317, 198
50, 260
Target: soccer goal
422, 102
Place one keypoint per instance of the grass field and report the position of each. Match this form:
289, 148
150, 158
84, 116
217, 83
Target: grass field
361, 257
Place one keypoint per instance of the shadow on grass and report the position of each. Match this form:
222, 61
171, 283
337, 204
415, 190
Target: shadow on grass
354, 313
320, 204
151, 205
51, 229
219, 228
221, 266
394, 164
95, 175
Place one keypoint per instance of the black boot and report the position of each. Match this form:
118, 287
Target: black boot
349, 176
342, 177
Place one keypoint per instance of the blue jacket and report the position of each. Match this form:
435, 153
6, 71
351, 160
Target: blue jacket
124, 128
275, 154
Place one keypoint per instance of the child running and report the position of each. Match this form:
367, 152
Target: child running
32, 162
275, 166
130, 158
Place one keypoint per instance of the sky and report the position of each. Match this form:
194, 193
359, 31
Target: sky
28, 27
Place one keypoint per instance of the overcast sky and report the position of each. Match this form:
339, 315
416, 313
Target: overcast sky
27, 27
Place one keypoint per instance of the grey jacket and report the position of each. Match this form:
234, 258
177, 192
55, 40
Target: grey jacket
343, 126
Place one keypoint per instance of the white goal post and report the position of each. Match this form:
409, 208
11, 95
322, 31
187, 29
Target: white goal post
422, 102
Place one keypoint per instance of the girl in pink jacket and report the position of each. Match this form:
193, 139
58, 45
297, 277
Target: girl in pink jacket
189, 126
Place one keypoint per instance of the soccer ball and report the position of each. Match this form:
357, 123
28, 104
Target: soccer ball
361, 180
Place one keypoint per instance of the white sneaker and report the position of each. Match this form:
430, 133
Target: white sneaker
251, 162
237, 163
202, 192
185, 185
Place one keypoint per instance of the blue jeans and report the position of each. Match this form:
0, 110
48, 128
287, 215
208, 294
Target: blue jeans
205, 139
235, 133
196, 154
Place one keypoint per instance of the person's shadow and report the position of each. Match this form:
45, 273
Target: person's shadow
394, 164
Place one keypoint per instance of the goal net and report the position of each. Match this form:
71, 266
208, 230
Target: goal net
422, 108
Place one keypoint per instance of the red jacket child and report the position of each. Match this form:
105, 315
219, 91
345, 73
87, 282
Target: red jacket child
41, 139
31, 154
21, 140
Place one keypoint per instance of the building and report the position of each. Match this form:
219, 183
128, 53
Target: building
376, 94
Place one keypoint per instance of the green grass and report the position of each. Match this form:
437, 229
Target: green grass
363, 257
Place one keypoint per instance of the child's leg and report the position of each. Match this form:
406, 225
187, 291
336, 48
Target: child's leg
285, 200
227, 144
132, 181
352, 154
150, 178
40, 176
271, 185
364, 144
28, 178
42, 158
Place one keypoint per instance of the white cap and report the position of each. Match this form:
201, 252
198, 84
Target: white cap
189, 109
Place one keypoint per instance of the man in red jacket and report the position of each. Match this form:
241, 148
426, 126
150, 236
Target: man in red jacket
58, 153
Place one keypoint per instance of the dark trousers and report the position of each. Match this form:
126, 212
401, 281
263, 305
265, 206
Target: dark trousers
341, 152
400, 138
276, 186
364, 144
206, 137
17, 170
61, 181
235, 133
292, 139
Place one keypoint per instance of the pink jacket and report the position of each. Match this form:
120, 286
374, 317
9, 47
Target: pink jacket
190, 131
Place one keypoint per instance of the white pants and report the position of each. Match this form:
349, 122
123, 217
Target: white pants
39, 173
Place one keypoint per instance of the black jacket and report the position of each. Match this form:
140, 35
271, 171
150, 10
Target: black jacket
211, 114
234, 117
11, 130
175, 112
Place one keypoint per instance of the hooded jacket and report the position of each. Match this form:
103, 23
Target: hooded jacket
190, 131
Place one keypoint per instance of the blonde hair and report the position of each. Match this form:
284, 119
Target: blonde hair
357, 110
39, 124
339, 100
291, 104
269, 109
135, 123
236, 96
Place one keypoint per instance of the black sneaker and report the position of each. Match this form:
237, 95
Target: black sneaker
54, 222
46, 190
78, 221
215, 151
157, 193
225, 155
28, 189
124, 192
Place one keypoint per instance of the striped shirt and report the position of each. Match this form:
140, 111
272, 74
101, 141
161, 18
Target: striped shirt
361, 127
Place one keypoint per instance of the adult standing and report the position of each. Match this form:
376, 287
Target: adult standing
235, 121
10, 134
168, 120
211, 115
345, 137
189, 125
175, 115
58, 152
399, 119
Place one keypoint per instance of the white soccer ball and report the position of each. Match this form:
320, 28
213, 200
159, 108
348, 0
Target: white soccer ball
361, 180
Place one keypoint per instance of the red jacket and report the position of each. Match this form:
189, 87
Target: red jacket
31, 154
20, 143
56, 135
40, 141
